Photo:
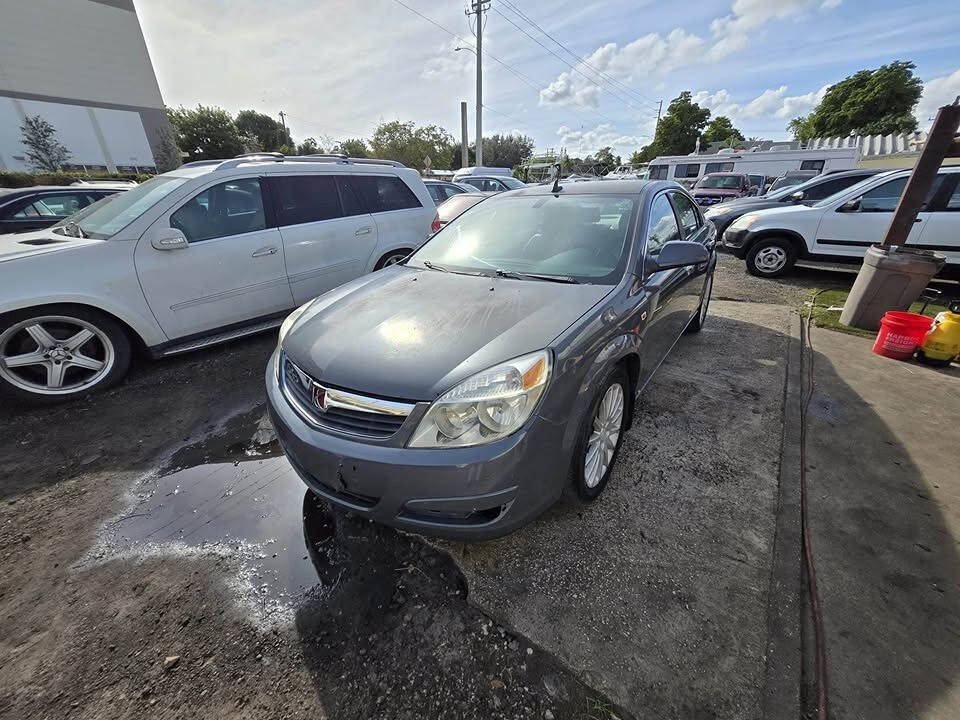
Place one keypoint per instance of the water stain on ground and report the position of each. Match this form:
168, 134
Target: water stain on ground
382, 617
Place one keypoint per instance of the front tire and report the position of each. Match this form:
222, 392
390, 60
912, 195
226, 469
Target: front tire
392, 258
600, 436
56, 353
697, 321
771, 257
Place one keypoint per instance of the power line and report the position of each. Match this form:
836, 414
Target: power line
603, 87
610, 79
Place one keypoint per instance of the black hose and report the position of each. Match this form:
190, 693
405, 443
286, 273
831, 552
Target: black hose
816, 609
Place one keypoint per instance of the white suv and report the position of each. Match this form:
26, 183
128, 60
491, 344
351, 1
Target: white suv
209, 252
841, 227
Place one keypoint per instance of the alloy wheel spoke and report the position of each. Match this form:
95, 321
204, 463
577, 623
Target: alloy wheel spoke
41, 337
83, 361
33, 358
77, 341
55, 373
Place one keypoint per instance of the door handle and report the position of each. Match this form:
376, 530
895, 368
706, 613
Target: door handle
364, 231
918, 220
263, 252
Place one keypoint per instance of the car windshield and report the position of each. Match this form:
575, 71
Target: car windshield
575, 236
101, 220
721, 182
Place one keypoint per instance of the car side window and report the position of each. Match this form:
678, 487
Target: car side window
452, 190
663, 225
883, 198
689, 217
229, 208
305, 198
436, 192
55, 206
384, 193
831, 187
349, 200
944, 196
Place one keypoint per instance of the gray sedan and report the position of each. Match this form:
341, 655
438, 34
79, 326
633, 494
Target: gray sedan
460, 392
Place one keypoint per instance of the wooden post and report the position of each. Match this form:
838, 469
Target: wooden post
940, 144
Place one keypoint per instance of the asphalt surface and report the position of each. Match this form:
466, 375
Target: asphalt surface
159, 559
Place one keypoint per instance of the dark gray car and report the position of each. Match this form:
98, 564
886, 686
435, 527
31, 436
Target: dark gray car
460, 392
809, 192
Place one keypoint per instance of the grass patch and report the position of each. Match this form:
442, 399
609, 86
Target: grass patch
824, 317
597, 709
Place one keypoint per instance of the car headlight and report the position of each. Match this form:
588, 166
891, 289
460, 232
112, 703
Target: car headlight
743, 222
487, 406
291, 319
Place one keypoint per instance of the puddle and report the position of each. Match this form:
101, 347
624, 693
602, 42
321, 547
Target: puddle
233, 495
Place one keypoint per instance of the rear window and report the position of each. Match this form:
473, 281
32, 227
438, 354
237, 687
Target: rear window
384, 193
304, 199
456, 205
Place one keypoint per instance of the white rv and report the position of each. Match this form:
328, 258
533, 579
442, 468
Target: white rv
687, 169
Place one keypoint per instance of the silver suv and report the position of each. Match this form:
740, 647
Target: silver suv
209, 252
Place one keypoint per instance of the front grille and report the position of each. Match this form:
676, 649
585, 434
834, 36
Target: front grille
343, 410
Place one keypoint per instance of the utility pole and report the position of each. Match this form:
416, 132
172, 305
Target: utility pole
283, 121
659, 110
464, 154
478, 7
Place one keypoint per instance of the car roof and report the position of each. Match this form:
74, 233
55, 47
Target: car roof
598, 187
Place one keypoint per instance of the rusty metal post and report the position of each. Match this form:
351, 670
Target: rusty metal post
939, 145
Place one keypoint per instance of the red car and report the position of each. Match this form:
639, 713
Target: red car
719, 187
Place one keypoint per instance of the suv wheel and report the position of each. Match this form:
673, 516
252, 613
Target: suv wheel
60, 352
771, 257
600, 436
392, 258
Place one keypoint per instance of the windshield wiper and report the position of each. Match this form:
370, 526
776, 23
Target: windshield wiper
441, 268
536, 276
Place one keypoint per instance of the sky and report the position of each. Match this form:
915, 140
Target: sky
568, 73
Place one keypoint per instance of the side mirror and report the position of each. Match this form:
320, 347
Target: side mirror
850, 206
169, 239
678, 253
797, 197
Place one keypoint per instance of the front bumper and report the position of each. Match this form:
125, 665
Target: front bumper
471, 493
736, 241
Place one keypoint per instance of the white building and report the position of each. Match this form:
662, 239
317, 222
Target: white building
83, 66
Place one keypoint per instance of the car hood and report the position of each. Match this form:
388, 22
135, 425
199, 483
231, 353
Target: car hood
749, 205
714, 192
412, 334
39, 242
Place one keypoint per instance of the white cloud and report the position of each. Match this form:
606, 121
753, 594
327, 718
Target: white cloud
656, 54
732, 32
773, 102
936, 93
449, 63
586, 142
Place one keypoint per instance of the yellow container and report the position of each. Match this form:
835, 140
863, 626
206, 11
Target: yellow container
942, 342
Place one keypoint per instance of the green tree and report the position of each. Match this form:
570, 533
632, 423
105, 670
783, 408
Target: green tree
677, 131
406, 143
45, 153
605, 157
505, 150
721, 129
309, 147
869, 102
353, 147
206, 133
270, 134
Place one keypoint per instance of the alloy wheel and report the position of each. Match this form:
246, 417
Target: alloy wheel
55, 355
602, 442
394, 259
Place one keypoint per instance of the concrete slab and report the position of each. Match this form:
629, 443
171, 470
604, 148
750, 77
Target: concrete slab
884, 503
657, 593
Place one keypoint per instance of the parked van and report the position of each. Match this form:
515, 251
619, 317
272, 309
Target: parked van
467, 171
687, 169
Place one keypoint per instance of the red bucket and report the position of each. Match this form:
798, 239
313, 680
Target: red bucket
900, 334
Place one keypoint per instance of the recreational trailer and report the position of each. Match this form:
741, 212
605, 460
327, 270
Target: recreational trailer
687, 169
